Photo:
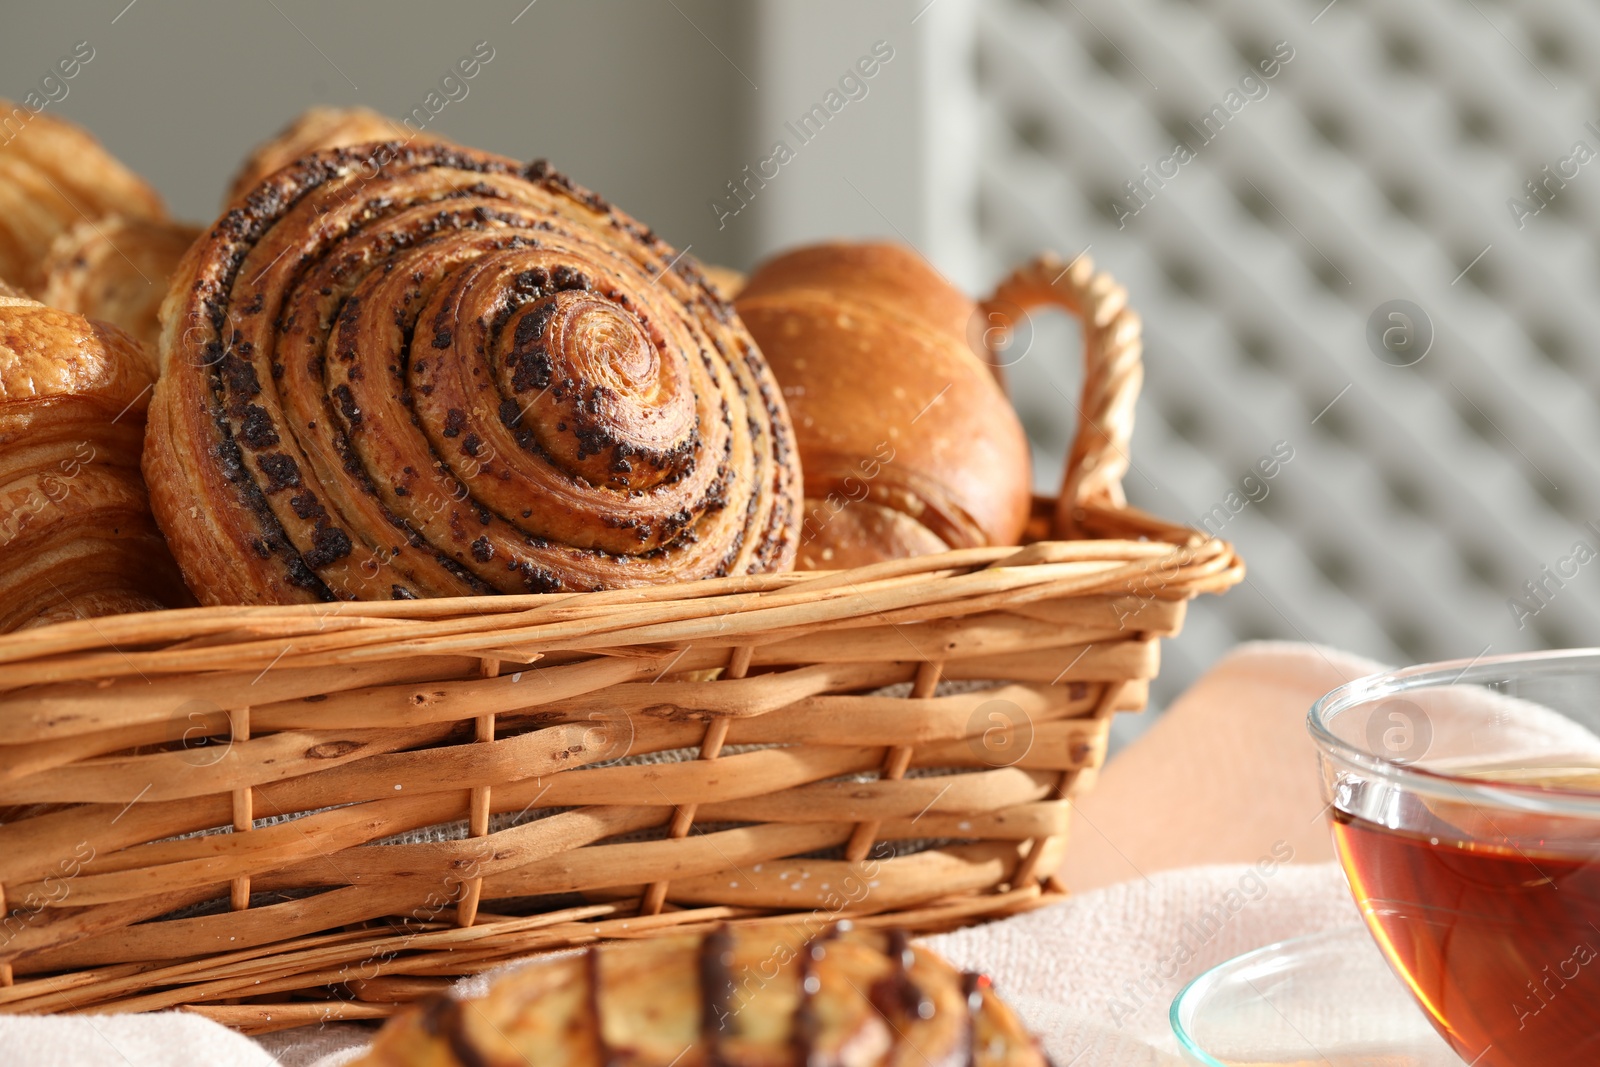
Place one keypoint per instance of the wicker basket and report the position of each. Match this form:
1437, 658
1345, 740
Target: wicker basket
226, 809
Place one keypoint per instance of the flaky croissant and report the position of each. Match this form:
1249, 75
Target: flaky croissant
763, 996
317, 128
454, 374
53, 174
116, 270
76, 535
907, 442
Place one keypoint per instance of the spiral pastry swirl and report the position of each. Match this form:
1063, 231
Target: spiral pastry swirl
317, 128
404, 371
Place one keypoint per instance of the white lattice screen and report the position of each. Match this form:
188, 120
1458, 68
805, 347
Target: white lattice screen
1376, 166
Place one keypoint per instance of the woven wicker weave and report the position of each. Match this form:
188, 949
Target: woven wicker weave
592, 765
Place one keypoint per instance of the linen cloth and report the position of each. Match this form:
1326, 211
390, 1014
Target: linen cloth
1205, 839
1093, 976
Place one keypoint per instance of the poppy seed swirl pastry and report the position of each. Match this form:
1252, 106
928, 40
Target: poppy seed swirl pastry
763, 996
398, 371
315, 128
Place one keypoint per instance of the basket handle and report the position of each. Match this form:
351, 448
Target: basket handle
1112, 374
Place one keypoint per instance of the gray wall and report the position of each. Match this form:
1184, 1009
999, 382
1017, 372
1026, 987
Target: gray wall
630, 97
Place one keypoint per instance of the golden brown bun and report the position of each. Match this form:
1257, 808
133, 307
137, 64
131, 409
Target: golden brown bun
317, 128
754, 996
53, 174
859, 533
888, 276
116, 270
890, 405
76, 536
368, 393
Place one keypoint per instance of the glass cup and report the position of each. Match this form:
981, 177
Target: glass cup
1465, 802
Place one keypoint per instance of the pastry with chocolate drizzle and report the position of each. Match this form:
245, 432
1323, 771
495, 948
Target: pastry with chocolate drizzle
748, 996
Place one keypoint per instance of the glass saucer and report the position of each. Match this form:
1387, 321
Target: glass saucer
1329, 999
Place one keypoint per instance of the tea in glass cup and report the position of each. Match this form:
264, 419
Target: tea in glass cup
1465, 803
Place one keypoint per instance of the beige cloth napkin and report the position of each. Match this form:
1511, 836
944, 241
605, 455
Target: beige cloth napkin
1226, 777
1093, 976
1228, 770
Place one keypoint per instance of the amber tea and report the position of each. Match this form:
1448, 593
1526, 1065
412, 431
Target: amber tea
1491, 918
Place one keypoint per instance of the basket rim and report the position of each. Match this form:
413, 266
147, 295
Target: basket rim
1168, 562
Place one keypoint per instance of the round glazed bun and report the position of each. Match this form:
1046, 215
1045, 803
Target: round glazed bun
907, 443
